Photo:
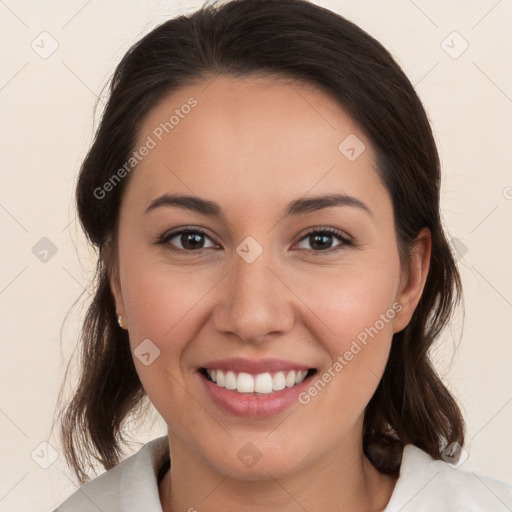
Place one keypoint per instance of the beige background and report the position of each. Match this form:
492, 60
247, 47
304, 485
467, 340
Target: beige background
47, 107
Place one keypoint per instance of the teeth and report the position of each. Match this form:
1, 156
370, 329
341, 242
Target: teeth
245, 383
278, 381
262, 383
230, 380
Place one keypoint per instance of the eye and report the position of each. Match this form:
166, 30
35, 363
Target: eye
321, 240
190, 240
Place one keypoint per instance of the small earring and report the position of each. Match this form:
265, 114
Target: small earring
119, 321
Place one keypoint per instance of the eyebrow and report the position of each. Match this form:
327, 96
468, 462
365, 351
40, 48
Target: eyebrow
297, 207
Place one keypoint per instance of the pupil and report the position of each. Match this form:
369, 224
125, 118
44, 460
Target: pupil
325, 239
191, 240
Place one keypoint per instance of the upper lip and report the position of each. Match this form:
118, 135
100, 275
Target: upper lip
239, 364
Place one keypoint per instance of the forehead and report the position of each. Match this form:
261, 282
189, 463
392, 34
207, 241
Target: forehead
257, 136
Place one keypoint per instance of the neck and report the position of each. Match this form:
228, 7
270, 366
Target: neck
341, 480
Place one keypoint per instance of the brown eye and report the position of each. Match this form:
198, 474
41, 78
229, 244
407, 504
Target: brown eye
321, 240
186, 240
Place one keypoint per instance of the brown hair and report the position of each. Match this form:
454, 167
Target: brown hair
309, 44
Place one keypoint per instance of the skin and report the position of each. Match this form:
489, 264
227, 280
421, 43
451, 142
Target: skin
253, 145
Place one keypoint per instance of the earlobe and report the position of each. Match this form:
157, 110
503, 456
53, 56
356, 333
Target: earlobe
413, 279
114, 283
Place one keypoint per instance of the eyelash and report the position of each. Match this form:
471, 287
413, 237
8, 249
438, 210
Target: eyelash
165, 238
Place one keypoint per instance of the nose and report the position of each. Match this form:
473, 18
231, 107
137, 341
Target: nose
257, 302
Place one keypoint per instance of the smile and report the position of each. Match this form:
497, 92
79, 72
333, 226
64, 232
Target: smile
261, 383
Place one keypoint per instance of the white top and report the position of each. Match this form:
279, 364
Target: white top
424, 485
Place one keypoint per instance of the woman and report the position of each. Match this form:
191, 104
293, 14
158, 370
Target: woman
264, 193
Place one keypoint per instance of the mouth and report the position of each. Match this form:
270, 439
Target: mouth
266, 383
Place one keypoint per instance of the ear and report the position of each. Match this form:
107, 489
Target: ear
413, 279
112, 267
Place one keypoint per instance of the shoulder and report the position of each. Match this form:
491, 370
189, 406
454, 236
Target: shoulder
131, 485
428, 484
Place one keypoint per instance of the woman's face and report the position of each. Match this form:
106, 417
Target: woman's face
256, 277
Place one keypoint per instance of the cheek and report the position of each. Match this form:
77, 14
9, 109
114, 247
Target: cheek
163, 306
363, 307
161, 302
349, 301
359, 308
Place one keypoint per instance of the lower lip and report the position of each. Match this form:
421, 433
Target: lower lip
252, 405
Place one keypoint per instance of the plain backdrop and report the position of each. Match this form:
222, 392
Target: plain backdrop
56, 58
